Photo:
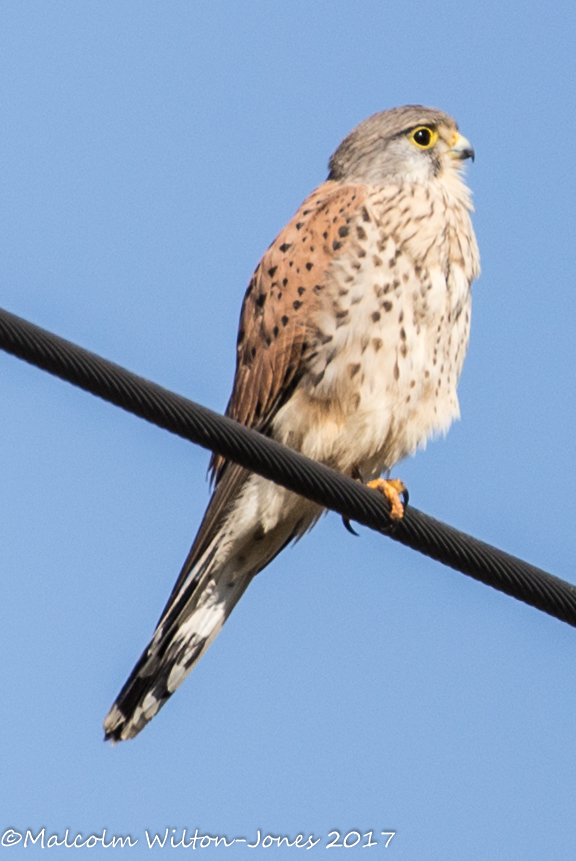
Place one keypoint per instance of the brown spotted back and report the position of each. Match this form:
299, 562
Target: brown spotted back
276, 336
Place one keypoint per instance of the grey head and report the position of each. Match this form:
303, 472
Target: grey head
408, 144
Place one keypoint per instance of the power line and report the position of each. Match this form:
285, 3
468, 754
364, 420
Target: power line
280, 464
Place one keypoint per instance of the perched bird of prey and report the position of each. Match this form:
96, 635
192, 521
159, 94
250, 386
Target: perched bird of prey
352, 337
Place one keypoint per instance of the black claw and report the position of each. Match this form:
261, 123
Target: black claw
346, 522
405, 498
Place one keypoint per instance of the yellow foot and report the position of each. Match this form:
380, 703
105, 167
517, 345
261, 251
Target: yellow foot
393, 489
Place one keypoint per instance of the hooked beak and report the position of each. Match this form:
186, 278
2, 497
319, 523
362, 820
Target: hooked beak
462, 148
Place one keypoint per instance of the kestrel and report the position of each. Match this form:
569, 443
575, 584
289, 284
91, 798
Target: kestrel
352, 336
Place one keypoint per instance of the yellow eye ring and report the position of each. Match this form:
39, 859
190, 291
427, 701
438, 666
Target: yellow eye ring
423, 137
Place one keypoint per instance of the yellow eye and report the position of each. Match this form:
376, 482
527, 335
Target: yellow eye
424, 137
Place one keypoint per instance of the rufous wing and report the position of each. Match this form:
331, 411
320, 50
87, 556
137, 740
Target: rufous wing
276, 329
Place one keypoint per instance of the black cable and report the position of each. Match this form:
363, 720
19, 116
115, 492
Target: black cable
306, 477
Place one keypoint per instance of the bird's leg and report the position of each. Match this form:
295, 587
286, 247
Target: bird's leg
355, 474
393, 489
395, 492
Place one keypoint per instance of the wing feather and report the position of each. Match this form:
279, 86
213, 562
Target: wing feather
275, 332
274, 337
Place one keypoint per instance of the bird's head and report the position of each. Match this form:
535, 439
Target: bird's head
408, 144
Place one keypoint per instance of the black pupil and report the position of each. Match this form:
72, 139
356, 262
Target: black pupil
422, 137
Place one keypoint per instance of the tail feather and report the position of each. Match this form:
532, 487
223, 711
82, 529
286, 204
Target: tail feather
232, 546
170, 656
151, 682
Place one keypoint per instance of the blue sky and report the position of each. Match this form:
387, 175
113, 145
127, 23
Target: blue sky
149, 153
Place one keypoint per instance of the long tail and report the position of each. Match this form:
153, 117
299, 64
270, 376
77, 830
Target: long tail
230, 548
177, 644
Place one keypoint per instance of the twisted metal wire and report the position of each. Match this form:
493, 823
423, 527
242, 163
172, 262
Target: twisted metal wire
277, 463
